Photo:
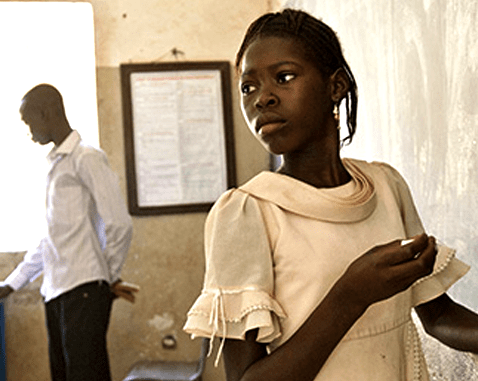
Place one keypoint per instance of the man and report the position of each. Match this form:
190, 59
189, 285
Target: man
89, 234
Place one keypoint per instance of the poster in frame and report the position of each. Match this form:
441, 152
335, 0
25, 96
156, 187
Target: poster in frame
178, 135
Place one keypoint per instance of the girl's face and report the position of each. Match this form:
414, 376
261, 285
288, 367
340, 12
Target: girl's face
285, 99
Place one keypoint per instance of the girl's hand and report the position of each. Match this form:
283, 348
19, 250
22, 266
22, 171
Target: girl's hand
387, 270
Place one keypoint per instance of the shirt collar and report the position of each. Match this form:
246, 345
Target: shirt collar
66, 147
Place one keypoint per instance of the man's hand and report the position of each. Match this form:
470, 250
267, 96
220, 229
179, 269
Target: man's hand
5, 291
124, 290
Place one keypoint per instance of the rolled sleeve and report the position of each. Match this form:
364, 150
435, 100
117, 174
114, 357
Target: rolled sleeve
29, 269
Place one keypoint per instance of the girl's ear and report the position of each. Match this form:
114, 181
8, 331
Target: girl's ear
339, 85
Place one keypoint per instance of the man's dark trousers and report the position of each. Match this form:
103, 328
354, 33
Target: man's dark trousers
77, 323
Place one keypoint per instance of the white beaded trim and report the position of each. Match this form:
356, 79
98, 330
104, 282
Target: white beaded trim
439, 269
242, 314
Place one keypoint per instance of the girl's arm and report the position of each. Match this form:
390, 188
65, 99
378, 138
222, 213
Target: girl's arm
451, 323
377, 275
303, 355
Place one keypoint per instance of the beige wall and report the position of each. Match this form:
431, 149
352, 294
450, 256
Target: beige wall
166, 257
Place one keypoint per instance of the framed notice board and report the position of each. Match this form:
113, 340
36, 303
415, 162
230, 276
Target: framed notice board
178, 132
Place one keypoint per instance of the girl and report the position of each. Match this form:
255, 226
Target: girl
308, 276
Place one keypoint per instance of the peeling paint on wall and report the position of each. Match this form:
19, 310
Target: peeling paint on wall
162, 322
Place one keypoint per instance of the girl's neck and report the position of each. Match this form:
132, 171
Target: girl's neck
316, 168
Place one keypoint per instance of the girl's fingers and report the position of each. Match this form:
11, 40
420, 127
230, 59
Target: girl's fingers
391, 268
420, 265
400, 253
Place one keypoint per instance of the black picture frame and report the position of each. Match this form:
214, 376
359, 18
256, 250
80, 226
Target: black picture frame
178, 135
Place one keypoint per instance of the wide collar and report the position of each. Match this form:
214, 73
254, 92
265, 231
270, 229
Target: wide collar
327, 204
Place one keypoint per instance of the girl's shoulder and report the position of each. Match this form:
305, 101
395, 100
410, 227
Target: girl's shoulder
233, 203
370, 165
378, 170
253, 188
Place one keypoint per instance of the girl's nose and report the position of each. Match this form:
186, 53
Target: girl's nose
266, 99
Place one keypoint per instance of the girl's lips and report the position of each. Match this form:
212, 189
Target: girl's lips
269, 128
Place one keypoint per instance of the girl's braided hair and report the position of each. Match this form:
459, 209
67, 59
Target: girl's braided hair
321, 46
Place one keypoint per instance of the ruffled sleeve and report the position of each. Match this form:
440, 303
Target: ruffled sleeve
238, 289
448, 269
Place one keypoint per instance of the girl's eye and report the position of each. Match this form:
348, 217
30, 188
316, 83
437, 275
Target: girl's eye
285, 77
247, 88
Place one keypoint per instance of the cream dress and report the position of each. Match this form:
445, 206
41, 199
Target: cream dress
275, 246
